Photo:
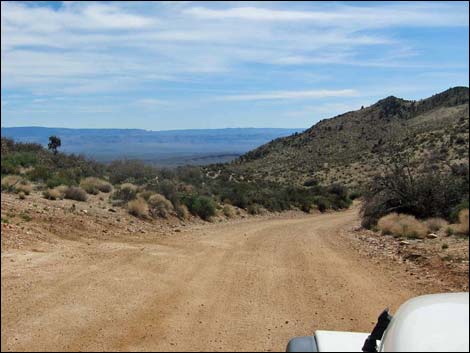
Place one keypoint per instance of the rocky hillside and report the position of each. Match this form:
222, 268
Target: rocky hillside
348, 148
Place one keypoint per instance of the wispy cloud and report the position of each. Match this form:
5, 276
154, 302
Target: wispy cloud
198, 51
283, 95
412, 15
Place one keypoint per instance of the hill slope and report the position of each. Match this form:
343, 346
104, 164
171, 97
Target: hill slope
348, 147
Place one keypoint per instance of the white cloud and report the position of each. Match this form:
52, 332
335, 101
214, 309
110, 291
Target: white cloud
283, 95
84, 48
346, 16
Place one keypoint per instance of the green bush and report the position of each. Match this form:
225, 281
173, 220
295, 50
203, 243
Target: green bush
323, 203
201, 206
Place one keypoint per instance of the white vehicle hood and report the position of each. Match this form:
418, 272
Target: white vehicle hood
339, 341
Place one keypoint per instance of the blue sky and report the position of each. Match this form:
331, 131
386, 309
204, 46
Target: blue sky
166, 65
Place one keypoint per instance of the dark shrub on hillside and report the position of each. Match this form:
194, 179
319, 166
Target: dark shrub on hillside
125, 192
424, 193
454, 216
311, 182
134, 171
75, 193
323, 203
201, 206
168, 189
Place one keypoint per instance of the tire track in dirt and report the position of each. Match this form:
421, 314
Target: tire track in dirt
247, 285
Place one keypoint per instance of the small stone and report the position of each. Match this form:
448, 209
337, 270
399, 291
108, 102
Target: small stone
431, 236
404, 242
112, 210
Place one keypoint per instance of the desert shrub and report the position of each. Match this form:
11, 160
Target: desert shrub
146, 194
229, 211
10, 182
322, 203
201, 206
254, 209
311, 182
61, 189
463, 225
159, 206
14, 161
182, 211
169, 190
24, 187
436, 223
130, 171
75, 193
52, 194
424, 193
125, 192
353, 195
402, 225
94, 185
464, 205
105, 187
138, 208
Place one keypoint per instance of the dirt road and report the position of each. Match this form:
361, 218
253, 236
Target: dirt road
247, 285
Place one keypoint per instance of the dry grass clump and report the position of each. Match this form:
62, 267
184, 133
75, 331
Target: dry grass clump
138, 208
10, 182
229, 211
461, 227
75, 193
401, 225
15, 183
24, 187
94, 185
125, 192
146, 194
53, 194
62, 189
435, 224
160, 206
182, 212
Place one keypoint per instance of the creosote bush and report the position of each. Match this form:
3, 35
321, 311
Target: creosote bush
201, 206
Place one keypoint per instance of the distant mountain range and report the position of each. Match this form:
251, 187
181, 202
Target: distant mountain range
168, 148
348, 148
